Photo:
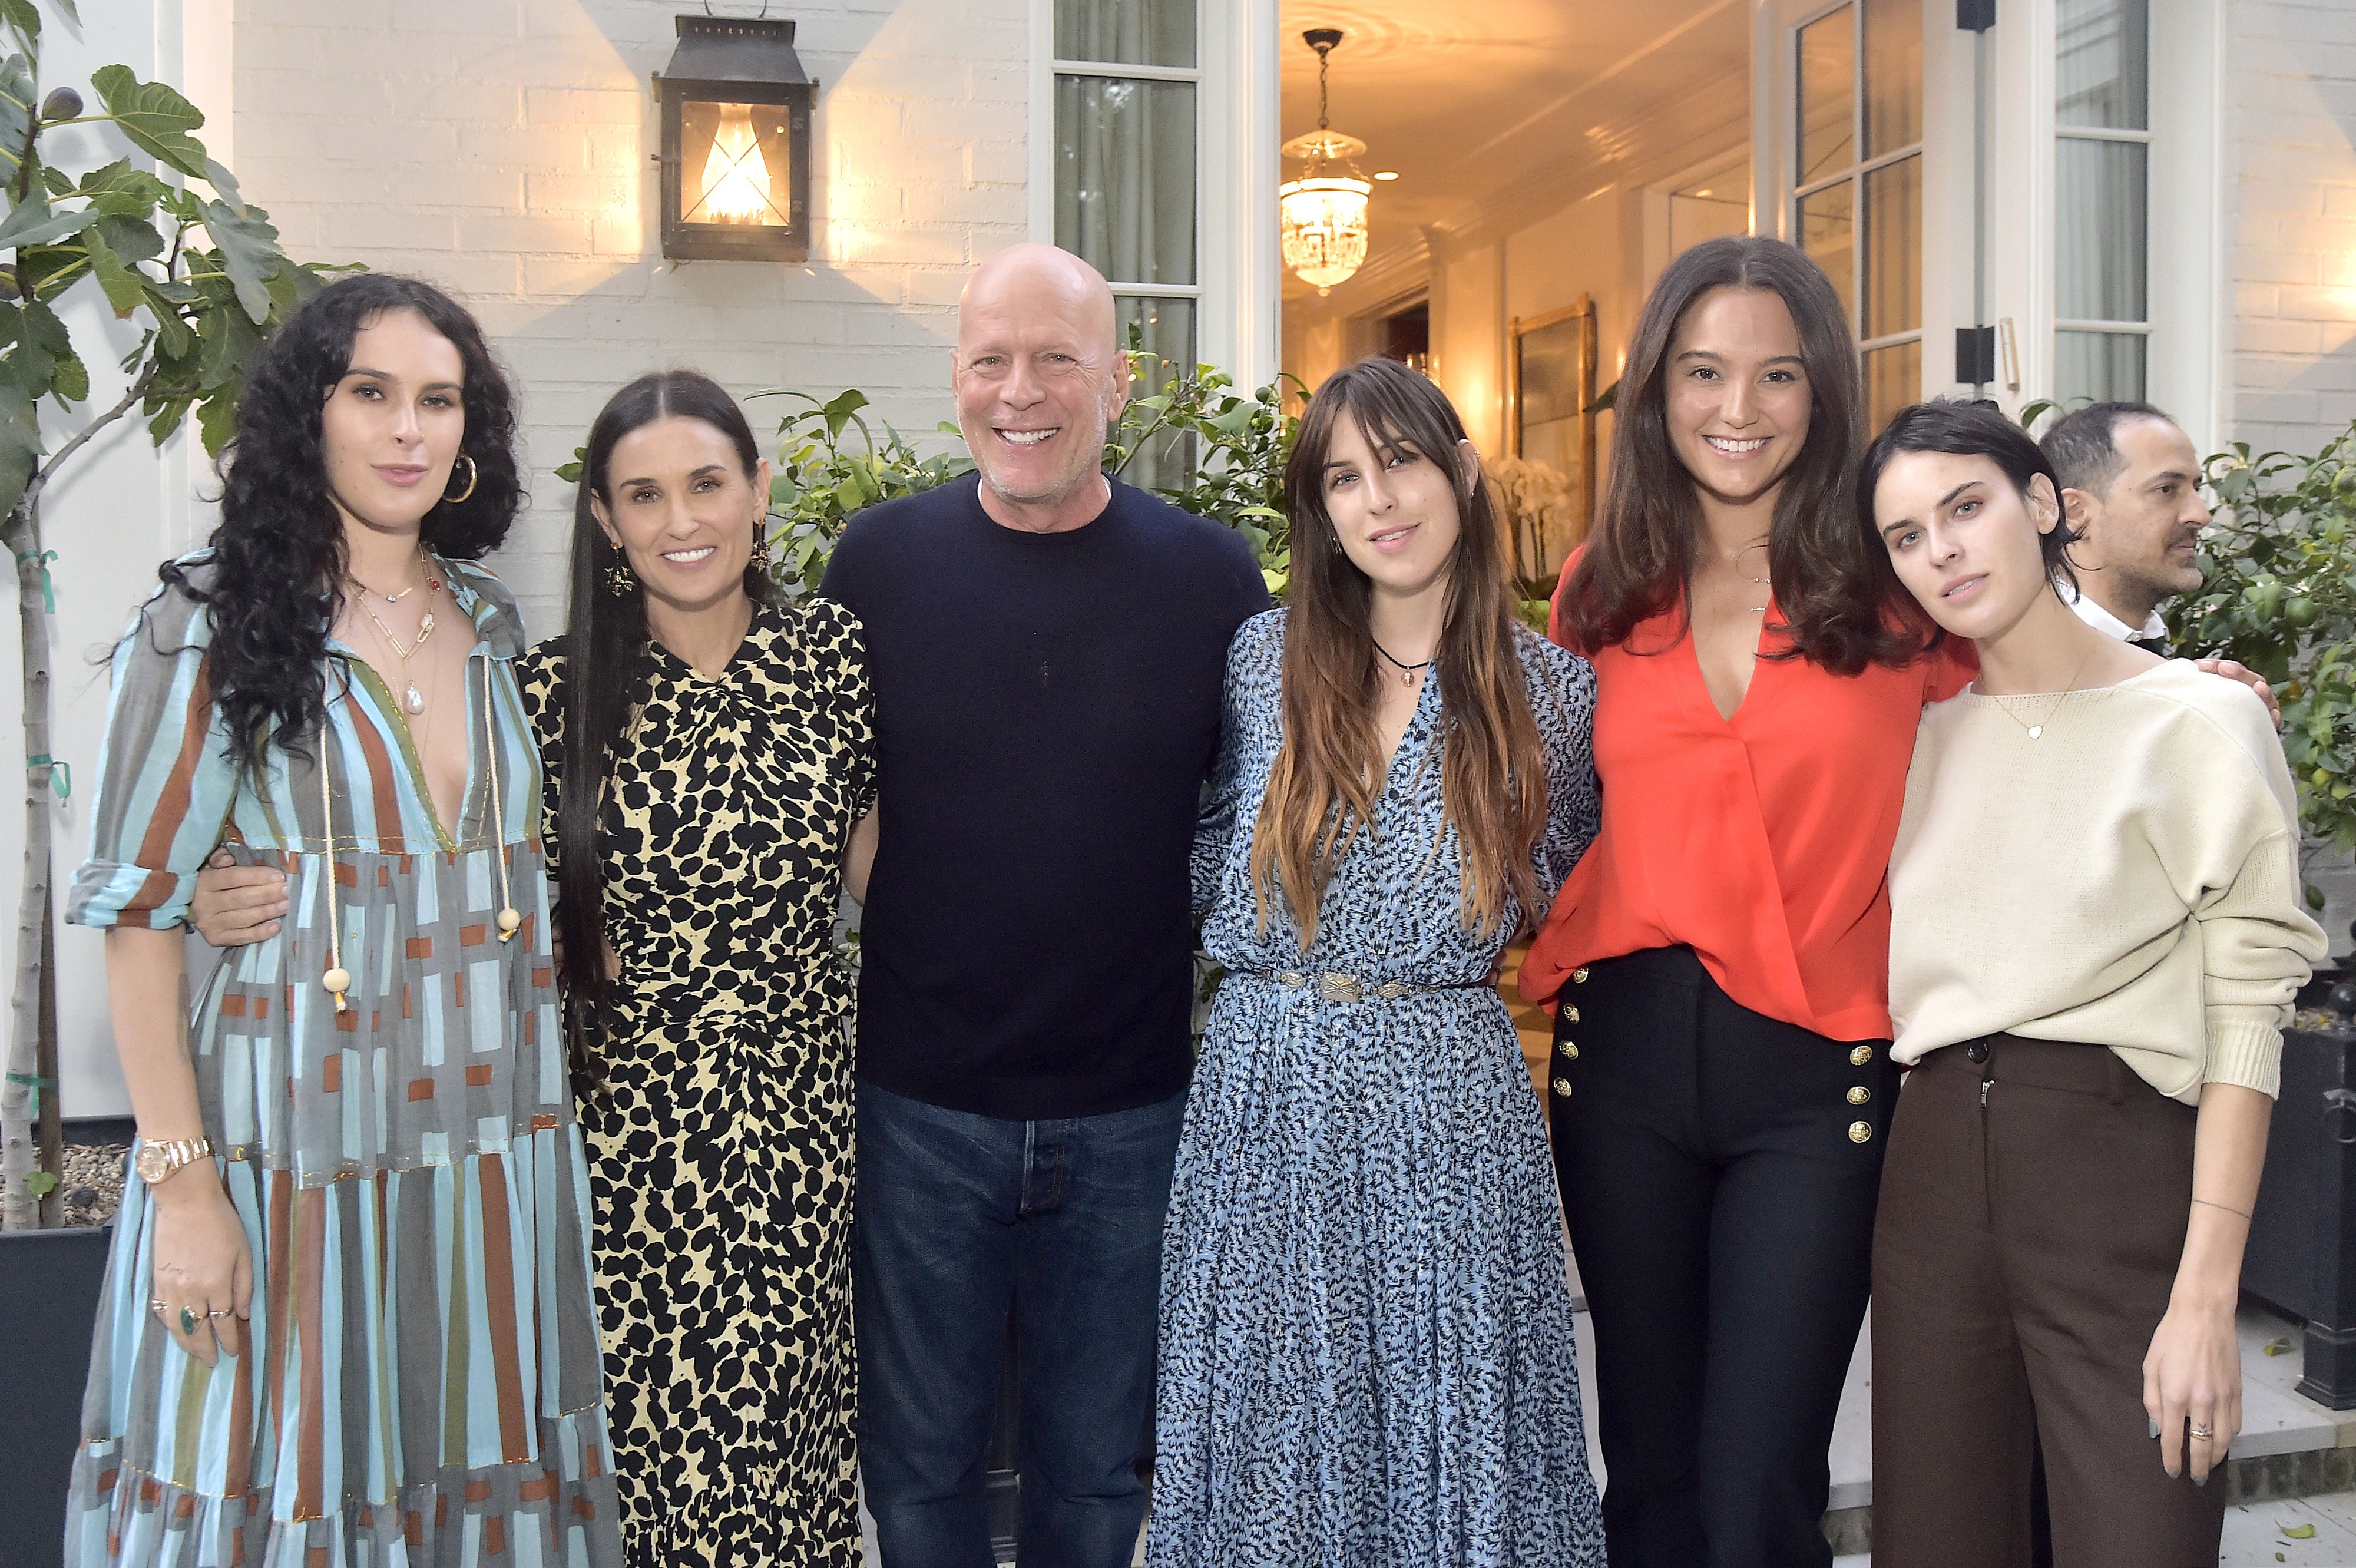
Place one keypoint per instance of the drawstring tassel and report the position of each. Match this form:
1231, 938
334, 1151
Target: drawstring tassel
509, 922
337, 980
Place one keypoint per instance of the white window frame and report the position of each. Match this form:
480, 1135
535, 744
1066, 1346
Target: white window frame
1235, 167
2189, 320
1944, 147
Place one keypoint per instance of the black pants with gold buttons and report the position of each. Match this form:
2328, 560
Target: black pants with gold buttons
1718, 1171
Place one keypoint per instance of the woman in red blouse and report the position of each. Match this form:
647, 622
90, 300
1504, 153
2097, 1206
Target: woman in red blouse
1721, 1081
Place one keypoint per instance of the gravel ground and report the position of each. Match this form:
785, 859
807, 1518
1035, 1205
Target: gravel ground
93, 1183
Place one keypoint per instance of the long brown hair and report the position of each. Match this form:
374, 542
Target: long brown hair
1839, 603
1329, 767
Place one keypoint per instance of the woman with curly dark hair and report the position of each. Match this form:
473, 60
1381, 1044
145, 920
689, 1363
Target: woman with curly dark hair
348, 1310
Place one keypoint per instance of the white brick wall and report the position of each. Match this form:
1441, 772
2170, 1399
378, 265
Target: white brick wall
504, 148
2290, 232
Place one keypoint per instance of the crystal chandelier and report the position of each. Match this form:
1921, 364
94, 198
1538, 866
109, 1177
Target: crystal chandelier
1325, 211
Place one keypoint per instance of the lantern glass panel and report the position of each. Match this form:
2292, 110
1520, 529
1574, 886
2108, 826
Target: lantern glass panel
735, 163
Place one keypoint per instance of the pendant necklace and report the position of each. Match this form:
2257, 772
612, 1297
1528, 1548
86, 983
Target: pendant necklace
1407, 673
1755, 610
413, 701
2038, 728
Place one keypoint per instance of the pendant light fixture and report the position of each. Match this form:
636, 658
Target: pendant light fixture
1325, 211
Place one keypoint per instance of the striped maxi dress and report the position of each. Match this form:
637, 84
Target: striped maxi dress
421, 1384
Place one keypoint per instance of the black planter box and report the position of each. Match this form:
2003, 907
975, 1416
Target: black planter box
2302, 1251
50, 1281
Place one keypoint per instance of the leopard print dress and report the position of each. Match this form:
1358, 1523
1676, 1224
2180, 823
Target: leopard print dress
720, 1135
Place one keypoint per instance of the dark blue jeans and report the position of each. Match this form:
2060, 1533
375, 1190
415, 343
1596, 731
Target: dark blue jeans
958, 1218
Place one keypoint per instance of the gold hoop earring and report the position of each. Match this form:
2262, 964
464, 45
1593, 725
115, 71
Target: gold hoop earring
474, 474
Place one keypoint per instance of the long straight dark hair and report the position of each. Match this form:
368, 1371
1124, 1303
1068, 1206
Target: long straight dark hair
1840, 604
1328, 766
605, 672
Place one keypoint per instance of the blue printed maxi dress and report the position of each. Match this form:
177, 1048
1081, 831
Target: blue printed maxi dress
1367, 1353
422, 1386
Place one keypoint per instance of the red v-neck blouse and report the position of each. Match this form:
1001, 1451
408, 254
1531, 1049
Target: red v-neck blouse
1762, 841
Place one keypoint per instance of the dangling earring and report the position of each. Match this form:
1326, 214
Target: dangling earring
473, 475
760, 544
619, 580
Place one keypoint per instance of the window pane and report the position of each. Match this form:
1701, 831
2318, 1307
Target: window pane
1893, 248
2099, 235
1893, 378
1125, 177
1126, 32
1893, 75
2104, 366
1829, 233
2103, 65
1166, 330
1827, 96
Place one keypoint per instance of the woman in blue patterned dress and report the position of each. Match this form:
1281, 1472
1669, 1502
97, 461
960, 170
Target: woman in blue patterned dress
346, 1318
1367, 1350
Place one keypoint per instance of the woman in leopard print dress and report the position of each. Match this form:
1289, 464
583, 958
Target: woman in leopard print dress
698, 883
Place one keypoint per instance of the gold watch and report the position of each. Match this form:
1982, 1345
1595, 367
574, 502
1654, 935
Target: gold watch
158, 1160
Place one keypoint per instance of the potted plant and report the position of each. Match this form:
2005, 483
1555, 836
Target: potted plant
163, 233
2279, 593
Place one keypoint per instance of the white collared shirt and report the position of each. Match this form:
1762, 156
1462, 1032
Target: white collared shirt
2109, 625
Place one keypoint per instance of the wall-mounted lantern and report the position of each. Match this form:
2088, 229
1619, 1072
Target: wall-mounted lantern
736, 143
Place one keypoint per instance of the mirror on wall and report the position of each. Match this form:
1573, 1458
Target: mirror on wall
1547, 482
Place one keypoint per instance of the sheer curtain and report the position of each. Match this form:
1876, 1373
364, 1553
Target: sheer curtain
2101, 158
1125, 176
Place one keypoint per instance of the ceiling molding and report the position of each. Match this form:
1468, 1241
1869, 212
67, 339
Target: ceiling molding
1719, 118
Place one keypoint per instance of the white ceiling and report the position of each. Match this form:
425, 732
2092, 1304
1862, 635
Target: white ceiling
1495, 112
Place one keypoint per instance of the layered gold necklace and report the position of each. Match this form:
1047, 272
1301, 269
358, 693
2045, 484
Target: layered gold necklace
413, 701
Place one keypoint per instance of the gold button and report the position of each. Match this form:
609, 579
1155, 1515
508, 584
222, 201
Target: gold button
1578, 975
1562, 1087
1859, 1095
1860, 1131
1569, 1048
1570, 1014
1859, 1057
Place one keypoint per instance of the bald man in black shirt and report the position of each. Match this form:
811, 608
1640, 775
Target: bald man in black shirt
1047, 646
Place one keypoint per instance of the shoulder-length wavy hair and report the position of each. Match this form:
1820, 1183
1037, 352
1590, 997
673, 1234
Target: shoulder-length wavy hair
1329, 767
605, 674
1839, 604
278, 558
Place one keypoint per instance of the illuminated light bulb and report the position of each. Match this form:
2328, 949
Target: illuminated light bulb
735, 180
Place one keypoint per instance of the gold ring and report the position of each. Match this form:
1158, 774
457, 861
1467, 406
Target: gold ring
157, 1306
187, 1320
2203, 1434
218, 1312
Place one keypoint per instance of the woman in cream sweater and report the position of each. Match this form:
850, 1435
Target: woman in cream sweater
2096, 935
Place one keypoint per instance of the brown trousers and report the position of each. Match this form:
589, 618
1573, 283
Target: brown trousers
2032, 1216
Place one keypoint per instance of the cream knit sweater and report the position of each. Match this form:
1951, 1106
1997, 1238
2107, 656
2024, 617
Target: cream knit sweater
2126, 879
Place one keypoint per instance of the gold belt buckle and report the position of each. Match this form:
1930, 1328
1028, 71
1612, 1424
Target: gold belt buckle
1339, 988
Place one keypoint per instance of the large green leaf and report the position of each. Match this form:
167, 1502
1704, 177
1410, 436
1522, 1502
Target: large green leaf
120, 190
224, 184
30, 222
216, 420
23, 15
156, 119
123, 286
15, 115
249, 253
132, 238
231, 344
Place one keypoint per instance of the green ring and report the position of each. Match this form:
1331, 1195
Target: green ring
188, 1321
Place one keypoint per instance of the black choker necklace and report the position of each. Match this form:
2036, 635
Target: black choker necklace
1407, 673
